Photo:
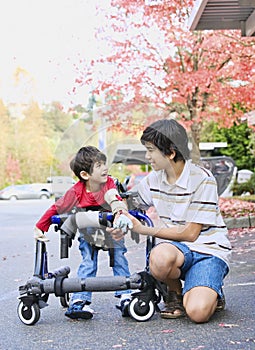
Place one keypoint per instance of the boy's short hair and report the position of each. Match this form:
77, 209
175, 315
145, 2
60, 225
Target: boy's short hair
168, 136
85, 159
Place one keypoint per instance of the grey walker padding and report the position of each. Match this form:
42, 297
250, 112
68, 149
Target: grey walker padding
69, 226
80, 221
87, 219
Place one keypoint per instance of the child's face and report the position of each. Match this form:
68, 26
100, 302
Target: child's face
157, 160
100, 172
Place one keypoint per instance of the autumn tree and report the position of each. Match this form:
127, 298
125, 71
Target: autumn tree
32, 145
154, 59
8, 161
12, 170
57, 119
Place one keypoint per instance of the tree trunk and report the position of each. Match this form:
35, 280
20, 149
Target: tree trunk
195, 138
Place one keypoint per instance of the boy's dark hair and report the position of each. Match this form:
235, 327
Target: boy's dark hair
168, 136
85, 159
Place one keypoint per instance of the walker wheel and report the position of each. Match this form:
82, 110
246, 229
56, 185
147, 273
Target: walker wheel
64, 301
140, 310
28, 314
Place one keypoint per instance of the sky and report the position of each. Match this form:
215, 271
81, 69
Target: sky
45, 38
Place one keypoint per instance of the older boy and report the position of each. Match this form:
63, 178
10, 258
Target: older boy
193, 246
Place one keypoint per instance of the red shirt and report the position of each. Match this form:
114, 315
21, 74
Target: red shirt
76, 196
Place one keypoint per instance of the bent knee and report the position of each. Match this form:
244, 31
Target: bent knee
200, 304
198, 315
160, 257
200, 312
162, 260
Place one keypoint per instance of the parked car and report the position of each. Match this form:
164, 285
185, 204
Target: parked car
60, 184
27, 191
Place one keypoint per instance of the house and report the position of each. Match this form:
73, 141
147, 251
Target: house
227, 14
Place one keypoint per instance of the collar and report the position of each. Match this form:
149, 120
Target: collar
182, 181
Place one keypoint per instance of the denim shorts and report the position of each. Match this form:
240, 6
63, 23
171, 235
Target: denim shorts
201, 269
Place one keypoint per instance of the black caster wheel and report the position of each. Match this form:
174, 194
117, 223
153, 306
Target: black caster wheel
140, 310
29, 315
64, 301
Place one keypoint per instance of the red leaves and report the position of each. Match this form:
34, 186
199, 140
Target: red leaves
228, 325
167, 331
78, 81
173, 61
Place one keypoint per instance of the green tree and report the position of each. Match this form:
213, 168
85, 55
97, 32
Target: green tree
238, 137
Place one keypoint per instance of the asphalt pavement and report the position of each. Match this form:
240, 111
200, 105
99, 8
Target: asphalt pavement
232, 328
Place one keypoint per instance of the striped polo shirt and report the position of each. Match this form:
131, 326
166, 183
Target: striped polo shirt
192, 198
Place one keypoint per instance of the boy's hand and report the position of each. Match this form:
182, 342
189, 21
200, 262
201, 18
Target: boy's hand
123, 223
39, 235
116, 233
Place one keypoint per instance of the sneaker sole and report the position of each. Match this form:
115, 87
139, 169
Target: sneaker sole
85, 315
125, 312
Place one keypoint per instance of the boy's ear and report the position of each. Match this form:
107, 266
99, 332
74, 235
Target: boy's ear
84, 175
172, 155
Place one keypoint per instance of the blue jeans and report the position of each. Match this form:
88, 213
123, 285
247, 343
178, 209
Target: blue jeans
88, 267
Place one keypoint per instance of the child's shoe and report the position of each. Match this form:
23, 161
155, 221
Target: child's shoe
79, 309
123, 306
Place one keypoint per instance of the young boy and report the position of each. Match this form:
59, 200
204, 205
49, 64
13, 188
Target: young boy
94, 189
193, 246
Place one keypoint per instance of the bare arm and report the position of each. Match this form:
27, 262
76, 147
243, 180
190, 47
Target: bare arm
188, 232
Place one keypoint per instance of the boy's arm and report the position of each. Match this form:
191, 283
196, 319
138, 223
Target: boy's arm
115, 201
188, 232
39, 235
62, 205
118, 206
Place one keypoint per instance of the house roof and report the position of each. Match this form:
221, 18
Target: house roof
224, 14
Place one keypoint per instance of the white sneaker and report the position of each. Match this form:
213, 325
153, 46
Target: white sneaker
126, 296
88, 309
79, 309
124, 302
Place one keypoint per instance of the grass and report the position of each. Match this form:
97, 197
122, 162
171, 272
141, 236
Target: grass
250, 198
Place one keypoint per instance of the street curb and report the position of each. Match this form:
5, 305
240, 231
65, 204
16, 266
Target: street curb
242, 222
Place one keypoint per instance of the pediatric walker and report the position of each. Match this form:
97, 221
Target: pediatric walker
35, 293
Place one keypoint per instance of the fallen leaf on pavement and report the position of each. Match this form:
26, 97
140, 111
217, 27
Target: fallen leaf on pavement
228, 325
167, 331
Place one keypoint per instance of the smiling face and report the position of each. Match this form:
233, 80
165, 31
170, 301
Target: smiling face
156, 158
100, 172
98, 176
160, 161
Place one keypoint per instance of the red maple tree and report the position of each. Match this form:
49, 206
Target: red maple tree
13, 172
155, 60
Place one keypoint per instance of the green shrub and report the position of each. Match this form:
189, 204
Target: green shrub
248, 186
